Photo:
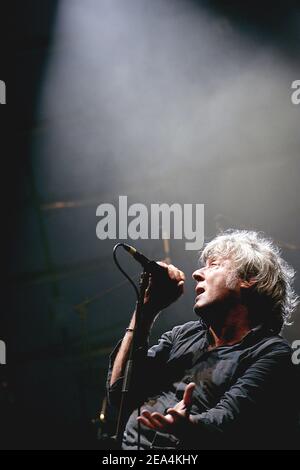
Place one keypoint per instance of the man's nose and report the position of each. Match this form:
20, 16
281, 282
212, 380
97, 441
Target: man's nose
198, 275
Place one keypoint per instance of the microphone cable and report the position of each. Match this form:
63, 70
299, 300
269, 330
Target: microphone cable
137, 299
122, 270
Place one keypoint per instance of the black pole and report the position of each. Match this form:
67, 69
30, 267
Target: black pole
144, 280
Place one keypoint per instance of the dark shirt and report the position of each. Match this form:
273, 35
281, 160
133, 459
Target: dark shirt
244, 397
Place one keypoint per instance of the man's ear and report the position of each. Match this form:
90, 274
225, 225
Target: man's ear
247, 284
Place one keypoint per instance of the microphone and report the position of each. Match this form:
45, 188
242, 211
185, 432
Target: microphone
149, 266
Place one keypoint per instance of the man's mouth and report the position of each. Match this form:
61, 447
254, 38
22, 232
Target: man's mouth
199, 291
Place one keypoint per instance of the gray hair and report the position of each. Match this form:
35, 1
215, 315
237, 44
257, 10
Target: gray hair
255, 257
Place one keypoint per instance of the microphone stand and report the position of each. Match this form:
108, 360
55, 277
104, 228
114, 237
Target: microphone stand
129, 369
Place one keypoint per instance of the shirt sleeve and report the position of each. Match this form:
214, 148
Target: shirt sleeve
253, 406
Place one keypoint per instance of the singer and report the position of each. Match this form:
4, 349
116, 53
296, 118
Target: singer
225, 380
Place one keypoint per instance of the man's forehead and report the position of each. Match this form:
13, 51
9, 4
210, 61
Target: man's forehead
215, 257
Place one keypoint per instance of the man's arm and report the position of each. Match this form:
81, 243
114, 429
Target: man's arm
123, 353
161, 292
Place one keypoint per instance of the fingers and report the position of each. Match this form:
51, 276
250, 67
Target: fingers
175, 273
159, 422
145, 422
163, 264
175, 414
162, 420
162, 291
154, 420
188, 394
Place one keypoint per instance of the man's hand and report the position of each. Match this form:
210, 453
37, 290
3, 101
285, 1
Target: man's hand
177, 418
164, 289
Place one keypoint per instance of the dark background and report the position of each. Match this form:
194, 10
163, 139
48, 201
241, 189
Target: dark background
164, 101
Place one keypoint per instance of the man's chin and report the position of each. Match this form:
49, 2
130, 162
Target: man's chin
210, 312
214, 313
202, 311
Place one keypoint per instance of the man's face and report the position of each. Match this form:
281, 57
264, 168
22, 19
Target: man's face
217, 288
